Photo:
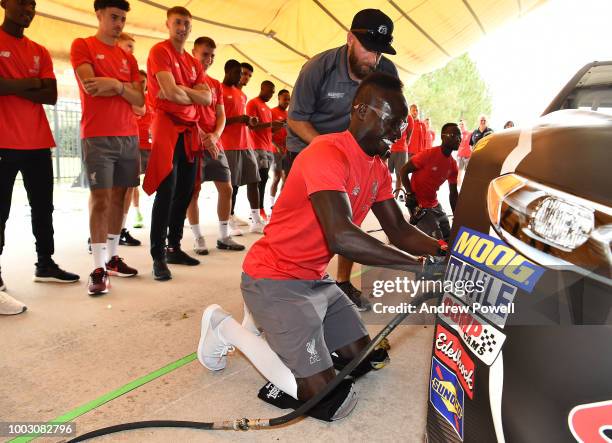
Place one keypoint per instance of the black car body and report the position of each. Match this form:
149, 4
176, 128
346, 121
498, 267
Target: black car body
533, 220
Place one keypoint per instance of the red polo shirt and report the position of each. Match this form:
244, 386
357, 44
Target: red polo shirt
294, 245
402, 144
105, 116
433, 169
208, 114
417, 140
144, 127
464, 148
23, 123
235, 137
280, 137
261, 138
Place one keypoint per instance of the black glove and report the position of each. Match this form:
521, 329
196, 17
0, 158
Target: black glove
411, 201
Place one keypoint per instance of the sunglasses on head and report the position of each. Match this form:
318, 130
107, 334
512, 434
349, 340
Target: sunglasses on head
375, 36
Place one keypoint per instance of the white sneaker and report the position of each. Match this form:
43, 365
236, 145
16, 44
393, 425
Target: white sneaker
257, 228
235, 232
238, 221
10, 306
212, 352
199, 246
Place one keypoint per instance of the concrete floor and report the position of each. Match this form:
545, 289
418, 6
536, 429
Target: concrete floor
69, 348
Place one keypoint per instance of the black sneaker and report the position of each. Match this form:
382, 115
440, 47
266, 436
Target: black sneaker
51, 272
126, 239
2, 285
355, 296
160, 270
176, 256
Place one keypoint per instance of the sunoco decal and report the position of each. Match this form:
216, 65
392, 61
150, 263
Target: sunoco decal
592, 422
448, 348
496, 295
484, 340
494, 256
446, 395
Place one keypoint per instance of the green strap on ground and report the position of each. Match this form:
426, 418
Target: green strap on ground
87, 407
111, 396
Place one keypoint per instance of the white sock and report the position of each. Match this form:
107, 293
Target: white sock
255, 215
112, 244
272, 200
123, 222
196, 230
98, 251
223, 229
258, 351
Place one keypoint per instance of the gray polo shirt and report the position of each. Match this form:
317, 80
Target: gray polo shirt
323, 94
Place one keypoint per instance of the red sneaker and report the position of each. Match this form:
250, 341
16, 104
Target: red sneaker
98, 282
116, 266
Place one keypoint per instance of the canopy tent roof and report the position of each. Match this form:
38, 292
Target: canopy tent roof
279, 36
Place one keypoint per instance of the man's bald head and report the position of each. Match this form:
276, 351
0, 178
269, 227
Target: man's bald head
451, 136
375, 84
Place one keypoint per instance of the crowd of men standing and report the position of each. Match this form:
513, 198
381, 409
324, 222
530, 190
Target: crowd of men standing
173, 123
179, 127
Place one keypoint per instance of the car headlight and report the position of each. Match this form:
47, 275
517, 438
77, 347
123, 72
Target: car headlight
552, 227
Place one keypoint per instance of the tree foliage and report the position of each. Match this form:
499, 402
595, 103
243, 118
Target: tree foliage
453, 92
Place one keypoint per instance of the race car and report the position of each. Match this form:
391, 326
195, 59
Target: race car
527, 357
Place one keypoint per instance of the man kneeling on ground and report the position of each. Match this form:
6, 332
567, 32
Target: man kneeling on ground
310, 325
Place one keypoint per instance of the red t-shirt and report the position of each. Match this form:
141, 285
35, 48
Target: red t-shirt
208, 114
433, 169
294, 246
186, 70
262, 138
280, 137
430, 136
464, 148
417, 140
23, 123
402, 144
144, 127
105, 116
235, 137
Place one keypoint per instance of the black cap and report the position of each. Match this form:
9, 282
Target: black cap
374, 30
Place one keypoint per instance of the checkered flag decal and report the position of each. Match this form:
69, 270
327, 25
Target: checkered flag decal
488, 340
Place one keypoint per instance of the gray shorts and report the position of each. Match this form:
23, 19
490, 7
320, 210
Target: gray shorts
397, 160
243, 166
112, 161
215, 170
278, 162
303, 320
264, 158
144, 160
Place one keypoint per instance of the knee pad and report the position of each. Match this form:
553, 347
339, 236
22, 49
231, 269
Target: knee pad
334, 406
377, 359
